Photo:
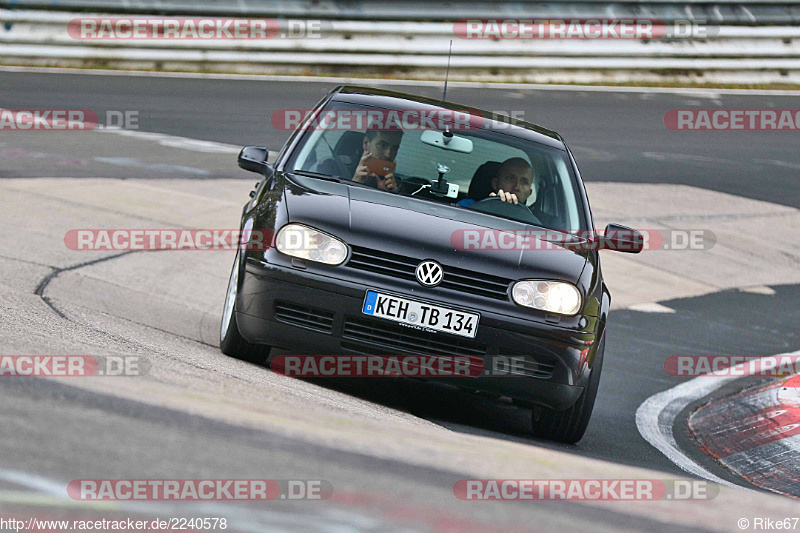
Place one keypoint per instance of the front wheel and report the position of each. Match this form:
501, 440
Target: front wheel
570, 424
231, 342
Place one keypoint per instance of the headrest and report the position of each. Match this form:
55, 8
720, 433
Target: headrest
480, 187
349, 147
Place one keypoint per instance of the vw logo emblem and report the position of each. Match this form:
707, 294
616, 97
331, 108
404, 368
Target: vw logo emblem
429, 273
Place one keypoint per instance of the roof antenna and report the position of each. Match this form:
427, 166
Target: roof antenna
447, 74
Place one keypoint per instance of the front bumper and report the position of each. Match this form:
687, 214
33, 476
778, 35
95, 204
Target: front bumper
312, 313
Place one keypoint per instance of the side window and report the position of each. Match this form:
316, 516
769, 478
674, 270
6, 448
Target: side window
543, 173
318, 149
567, 211
324, 150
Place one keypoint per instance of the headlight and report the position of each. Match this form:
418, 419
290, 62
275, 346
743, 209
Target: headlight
307, 243
551, 296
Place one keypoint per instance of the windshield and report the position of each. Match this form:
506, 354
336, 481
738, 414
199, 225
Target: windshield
388, 150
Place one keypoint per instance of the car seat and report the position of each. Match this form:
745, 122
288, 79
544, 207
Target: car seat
347, 152
481, 185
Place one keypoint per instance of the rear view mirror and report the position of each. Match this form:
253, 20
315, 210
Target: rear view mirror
447, 141
622, 239
254, 159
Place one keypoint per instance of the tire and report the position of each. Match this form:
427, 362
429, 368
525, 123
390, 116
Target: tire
569, 425
231, 342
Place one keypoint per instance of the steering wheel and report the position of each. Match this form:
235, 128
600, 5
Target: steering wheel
495, 206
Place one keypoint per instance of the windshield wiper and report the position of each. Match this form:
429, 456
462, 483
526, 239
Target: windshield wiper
318, 175
328, 177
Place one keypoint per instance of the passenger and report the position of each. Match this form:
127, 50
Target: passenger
379, 143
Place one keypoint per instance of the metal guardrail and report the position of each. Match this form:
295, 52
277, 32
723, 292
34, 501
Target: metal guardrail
730, 54
742, 12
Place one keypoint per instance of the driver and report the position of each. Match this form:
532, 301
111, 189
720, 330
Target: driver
514, 182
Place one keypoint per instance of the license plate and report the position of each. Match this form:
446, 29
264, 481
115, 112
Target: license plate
421, 314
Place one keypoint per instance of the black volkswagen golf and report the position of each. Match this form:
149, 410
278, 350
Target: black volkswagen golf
397, 224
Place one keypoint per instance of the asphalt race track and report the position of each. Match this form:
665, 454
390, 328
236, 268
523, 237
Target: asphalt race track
391, 450
616, 136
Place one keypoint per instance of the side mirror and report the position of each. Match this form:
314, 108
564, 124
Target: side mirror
254, 159
622, 239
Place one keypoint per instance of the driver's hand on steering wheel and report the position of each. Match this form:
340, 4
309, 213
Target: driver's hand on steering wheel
506, 196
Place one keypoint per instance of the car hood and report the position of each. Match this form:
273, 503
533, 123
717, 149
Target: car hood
421, 229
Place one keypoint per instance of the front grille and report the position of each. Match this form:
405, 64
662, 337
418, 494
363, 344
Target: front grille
303, 316
524, 365
401, 267
394, 339
378, 338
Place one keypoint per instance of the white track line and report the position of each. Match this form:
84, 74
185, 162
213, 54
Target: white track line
656, 416
650, 307
175, 141
37, 483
